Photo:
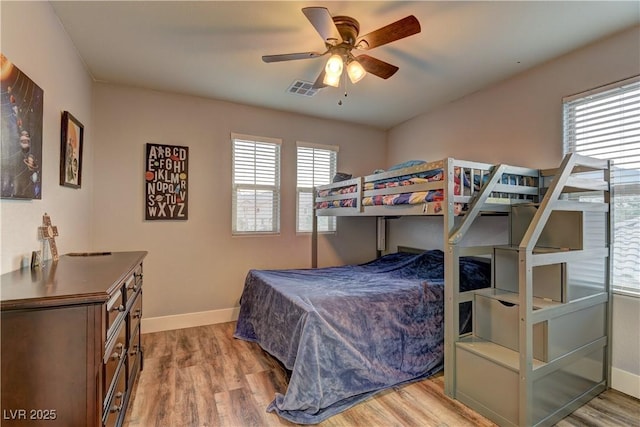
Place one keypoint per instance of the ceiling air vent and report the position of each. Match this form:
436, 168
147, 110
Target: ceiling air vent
300, 87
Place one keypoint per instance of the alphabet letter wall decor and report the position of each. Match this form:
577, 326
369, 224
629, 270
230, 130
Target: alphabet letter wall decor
166, 182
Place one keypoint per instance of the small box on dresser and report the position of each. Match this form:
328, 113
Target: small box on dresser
70, 340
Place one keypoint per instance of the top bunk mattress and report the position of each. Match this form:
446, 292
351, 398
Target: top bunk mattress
421, 186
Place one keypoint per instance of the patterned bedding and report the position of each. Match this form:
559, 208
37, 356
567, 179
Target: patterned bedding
408, 198
373, 194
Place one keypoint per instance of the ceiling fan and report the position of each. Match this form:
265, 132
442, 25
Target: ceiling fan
340, 35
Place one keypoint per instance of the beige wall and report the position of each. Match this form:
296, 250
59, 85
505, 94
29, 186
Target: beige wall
34, 40
197, 265
519, 121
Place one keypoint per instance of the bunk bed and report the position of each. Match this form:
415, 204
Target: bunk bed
422, 188
459, 192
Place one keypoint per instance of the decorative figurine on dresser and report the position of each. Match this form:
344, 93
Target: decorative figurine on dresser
70, 340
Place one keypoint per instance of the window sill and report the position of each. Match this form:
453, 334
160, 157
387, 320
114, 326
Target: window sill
308, 233
255, 234
631, 294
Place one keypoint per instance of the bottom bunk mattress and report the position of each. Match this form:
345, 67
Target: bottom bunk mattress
348, 332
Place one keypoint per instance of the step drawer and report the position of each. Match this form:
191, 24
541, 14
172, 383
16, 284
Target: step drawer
497, 321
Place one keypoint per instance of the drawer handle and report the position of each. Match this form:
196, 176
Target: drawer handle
119, 308
116, 408
137, 314
135, 350
116, 355
506, 304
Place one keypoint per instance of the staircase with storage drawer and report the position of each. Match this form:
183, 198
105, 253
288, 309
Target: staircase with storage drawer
71, 340
541, 332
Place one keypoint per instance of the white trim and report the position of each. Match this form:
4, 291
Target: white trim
189, 320
253, 138
625, 382
626, 292
603, 88
318, 146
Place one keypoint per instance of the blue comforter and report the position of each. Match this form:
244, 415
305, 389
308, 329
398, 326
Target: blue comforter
348, 332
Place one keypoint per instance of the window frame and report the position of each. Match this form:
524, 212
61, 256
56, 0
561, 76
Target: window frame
331, 222
630, 189
275, 188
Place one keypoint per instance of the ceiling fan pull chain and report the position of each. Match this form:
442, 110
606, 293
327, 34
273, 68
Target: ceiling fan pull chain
344, 76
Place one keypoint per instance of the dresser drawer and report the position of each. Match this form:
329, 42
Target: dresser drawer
114, 406
133, 284
115, 309
135, 312
115, 353
135, 356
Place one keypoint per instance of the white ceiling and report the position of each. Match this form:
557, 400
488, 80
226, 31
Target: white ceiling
213, 49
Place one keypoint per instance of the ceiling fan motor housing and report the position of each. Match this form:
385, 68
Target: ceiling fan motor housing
348, 27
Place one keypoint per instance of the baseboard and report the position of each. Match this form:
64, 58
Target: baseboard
625, 382
189, 320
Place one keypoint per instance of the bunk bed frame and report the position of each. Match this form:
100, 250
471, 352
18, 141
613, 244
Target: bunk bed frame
506, 189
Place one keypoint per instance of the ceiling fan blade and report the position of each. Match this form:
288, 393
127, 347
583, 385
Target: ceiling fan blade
291, 56
319, 83
322, 21
398, 30
377, 67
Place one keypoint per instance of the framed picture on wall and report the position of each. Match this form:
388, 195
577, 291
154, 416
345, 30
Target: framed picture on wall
72, 137
21, 135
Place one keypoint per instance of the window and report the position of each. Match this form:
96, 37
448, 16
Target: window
316, 165
605, 123
256, 185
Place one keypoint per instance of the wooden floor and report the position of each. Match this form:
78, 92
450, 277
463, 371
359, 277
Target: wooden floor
204, 377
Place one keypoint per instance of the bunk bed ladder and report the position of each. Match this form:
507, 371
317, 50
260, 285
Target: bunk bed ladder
542, 331
563, 182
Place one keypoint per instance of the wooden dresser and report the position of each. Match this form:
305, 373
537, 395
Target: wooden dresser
70, 340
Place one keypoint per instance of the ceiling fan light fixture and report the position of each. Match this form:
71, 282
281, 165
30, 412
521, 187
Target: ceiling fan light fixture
355, 71
331, 79
341, 35
334, 65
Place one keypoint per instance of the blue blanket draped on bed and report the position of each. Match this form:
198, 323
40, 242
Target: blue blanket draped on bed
348, 332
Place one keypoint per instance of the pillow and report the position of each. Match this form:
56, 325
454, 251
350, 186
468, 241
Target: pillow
406, 164
341, 176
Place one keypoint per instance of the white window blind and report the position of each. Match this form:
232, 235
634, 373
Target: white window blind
605, 123
256, 185
316, 165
